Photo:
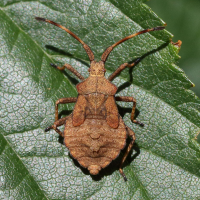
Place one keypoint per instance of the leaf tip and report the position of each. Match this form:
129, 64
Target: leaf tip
178, 44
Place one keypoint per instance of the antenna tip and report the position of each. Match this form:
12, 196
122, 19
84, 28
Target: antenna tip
47, 129
158, 28
40, 19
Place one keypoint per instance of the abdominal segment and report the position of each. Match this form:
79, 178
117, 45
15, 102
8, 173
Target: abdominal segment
94, 143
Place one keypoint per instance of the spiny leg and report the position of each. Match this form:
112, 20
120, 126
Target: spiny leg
70, 68
57, 123
120, 68
130, 99
63, 101
61, 121
132, 135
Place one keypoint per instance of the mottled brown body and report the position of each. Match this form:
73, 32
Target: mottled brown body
96, 100
95, 133
94, 143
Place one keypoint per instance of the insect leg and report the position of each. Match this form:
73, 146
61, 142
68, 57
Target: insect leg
132, 135
57, 123
130, 99
120, 68
63, 101
70, 68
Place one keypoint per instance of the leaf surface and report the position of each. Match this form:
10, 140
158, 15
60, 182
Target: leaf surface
165, 160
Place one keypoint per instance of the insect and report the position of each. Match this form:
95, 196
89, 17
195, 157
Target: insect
95, 133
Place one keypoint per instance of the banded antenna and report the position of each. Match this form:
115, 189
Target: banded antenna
110, 48
85, 46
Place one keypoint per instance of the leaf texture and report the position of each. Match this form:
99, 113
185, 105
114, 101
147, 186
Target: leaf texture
165, 161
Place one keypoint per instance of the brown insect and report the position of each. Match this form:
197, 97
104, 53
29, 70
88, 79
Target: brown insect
95, 133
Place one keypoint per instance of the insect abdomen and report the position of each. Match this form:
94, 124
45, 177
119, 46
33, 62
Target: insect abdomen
94, 144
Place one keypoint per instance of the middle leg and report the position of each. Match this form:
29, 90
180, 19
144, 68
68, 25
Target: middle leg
57, 123
130, 99
63, 101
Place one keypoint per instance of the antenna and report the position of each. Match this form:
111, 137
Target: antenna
85, 46
110, 48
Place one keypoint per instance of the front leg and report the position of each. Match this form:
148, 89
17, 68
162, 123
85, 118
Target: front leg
120, 68
130, 99
70, 68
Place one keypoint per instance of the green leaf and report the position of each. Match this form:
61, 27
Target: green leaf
183, 21
165, 161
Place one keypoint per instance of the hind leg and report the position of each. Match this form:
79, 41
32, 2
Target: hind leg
132, 135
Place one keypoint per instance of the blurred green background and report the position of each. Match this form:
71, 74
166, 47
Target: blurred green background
183, 21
